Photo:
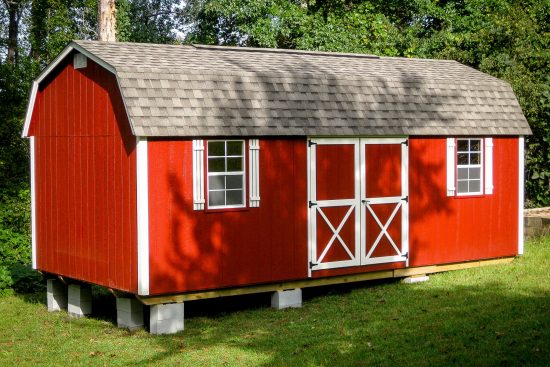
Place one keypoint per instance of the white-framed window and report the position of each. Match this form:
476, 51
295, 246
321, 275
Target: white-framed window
469, 166
225, 171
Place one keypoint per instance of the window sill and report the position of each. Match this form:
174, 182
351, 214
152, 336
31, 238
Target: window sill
226, 210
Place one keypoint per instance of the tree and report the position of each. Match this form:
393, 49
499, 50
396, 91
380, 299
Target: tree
106, 25
15, 10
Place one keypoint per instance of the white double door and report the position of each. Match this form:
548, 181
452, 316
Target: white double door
358, 201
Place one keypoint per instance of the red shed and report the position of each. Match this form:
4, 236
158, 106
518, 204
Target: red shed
182, 172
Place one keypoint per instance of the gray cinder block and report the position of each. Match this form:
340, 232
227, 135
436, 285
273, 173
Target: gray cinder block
129, 313
80, 300
287, 298
56, 295
415, 279
166, 318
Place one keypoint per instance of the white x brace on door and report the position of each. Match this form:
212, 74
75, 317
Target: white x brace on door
358, 201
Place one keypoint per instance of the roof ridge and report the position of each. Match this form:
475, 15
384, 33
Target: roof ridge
284, 51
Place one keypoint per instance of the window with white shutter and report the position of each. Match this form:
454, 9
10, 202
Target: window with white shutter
469, 166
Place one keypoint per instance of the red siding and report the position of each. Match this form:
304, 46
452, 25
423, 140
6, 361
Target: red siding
450, 229
197, 250
192, 250
85, 179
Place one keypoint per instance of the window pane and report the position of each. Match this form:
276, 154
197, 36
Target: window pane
475, 186
462, 158
462, 174
475, 145
475, 173
216, 148
234, 182
462, 187
462, 145
234, 197
216, 198
216, 182
475, 158
234, 164
234, 148
216, 164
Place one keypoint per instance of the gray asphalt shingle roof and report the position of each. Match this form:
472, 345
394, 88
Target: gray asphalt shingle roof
172, 90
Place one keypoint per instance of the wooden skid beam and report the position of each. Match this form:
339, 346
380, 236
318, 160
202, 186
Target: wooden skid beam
272, 287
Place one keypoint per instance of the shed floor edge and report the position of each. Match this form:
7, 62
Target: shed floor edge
306, 283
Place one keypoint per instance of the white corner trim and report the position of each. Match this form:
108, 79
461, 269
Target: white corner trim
66, 51
521, 192
489, 166
142, 186
33, 203
451, 189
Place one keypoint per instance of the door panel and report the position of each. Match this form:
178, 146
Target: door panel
383, 170
335, 174
377, 242
334, 203
358, 202
340, 247
384, 198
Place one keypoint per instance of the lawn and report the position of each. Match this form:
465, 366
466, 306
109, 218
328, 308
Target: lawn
497, 315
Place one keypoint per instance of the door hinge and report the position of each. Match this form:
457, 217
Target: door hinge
406, 142
311, 203
312, 264
310, 143
406, 199
406, 255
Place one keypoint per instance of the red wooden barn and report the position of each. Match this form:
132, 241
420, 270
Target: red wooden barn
175, 173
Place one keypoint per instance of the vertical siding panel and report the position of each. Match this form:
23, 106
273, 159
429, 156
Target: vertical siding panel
111, 225
63, 245
133, 214
102, 204
61, 105
120, 258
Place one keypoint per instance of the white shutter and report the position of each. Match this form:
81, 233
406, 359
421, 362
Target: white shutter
198, 175
451, 166
488, 166
254, 172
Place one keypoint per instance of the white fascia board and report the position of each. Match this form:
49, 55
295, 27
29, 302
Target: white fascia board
33, 203
66, 51
521, 192
142, 186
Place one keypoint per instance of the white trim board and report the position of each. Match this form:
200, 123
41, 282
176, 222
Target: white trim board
521, 192
33, 202
142, 186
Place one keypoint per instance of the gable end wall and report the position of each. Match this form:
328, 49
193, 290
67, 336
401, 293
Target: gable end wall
85, 184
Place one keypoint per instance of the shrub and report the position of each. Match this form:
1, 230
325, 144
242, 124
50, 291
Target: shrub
6, 281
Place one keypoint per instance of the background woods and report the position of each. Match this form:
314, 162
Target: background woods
508, 39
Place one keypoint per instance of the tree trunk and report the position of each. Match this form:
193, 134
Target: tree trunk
106, 23
12, 6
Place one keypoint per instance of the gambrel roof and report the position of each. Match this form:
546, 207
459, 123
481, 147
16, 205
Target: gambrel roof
175, 90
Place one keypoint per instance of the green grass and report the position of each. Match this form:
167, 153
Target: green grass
497, 315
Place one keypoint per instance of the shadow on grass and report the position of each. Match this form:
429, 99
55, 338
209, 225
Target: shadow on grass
378, 325
366, 324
